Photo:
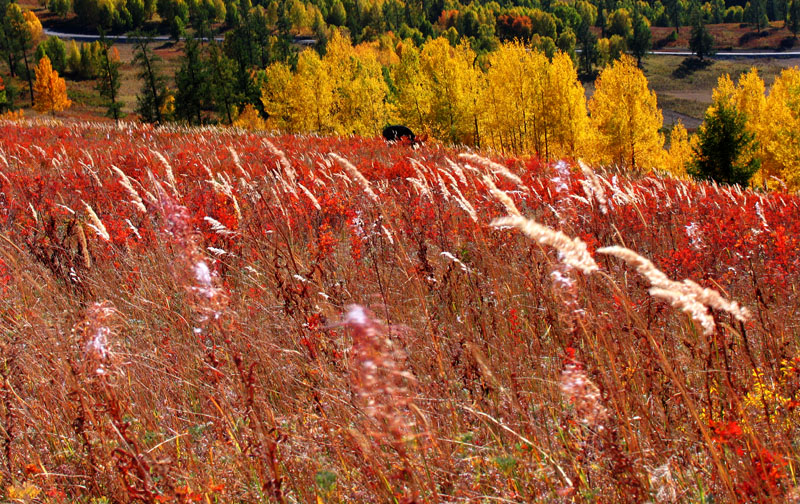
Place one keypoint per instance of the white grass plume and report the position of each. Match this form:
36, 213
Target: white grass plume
686, 295
218, 227
356, 175
310, 196
167, 171
496, 168
502, 197
282, 159
96, 224
571, 251
593, 187
126, 183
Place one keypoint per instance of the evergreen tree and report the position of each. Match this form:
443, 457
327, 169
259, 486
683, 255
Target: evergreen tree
192, 84
794, 17
3, 97
641, 37
757, 14
152, 97
108, 82
674, 10
221, 71
59, 7
586, 39
56, 50
21, 31
701, 41
723, 151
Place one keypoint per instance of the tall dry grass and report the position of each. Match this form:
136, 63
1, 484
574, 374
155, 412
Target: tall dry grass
282, 324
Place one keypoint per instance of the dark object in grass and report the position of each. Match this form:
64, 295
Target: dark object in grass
398, 133
689, 66
788, 42
747, 37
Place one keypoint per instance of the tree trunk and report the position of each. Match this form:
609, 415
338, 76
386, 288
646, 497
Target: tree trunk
28, 74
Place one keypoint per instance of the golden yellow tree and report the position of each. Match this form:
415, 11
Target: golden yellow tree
750, 98
33, 25
49, 90
513, 83
680, 151
275, 95
414, 93
311, 92
454, 88
250, 119
780, 133
360, 92
565, 108
626, 117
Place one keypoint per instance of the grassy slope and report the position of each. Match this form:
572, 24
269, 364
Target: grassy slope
502, 373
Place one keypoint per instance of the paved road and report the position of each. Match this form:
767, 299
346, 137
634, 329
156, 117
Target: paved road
124, 39
734, 54
81, 37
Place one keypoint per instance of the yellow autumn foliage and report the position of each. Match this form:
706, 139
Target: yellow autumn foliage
780, 131
680, 151
533, 104
773, 119
250, 119
342, 93
626, 117
49, 90
521, 103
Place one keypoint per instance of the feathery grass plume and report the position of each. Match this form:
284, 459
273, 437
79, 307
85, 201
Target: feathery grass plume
219, 227
96, 331
167, 171
571, 251
687, 303
502, 197
459, 172
282, 159
584, 396
421, 187
224, 186
447, 174
662, 484
467, 207
84, 246
355, 174
593, 187
379, 378
96, 224
126, 183
464, 204
496, 168
238, 163
192, 268
687, 295
443, 188
714, 299
310, 196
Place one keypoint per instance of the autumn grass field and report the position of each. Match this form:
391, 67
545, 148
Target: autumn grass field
213, 316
